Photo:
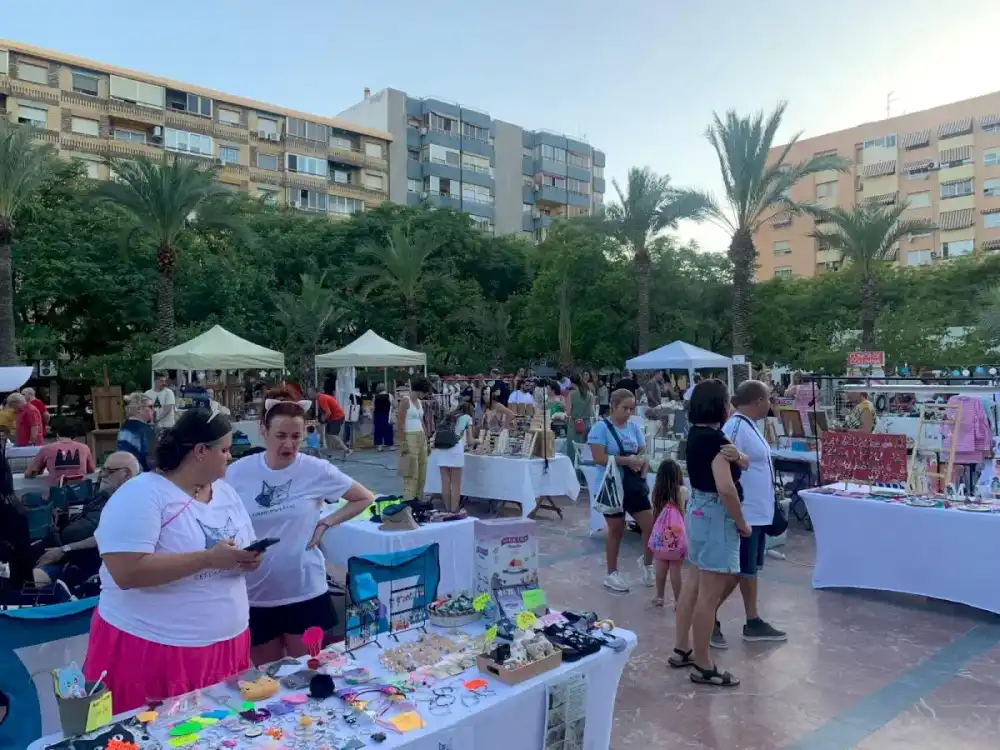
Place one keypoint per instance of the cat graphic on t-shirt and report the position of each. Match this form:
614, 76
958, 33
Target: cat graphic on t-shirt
271, 495
216, 534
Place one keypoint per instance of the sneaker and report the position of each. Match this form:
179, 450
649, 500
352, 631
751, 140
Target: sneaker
615, 582
648, 573
61, 592
758, 630
718, 639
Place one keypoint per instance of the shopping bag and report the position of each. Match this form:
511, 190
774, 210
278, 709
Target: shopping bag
608, 500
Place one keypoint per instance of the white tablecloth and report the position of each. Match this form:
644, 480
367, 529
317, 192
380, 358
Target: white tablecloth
810, 457
513, 718
520, 480
457, 540
941, 553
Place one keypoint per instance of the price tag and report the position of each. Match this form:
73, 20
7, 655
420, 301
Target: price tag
99, 712
481, 602
525, 620
491, 634
533, 598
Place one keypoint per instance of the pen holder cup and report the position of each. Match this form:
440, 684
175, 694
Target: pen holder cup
73, 712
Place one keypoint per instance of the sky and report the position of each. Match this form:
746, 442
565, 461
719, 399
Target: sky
638, 79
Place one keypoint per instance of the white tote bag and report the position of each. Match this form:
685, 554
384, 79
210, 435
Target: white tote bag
608, 500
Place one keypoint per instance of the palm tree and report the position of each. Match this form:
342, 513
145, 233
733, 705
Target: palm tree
989, 314
398, 266
645, 208
756, 188
867, 234
565, 326
306, 317
24, 165
165, 199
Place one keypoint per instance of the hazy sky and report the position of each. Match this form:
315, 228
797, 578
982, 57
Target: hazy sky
637, 78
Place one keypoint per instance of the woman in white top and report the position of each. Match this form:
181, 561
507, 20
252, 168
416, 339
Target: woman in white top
452, 460
283, 492
412, 439
173, 612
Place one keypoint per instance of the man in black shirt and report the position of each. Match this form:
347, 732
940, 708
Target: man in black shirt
500, 385
627, 382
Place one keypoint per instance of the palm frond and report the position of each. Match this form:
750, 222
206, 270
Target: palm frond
648, 205
24, 165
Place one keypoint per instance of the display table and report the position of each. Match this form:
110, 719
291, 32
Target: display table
516, 480
512, 718
866, 543
456, 540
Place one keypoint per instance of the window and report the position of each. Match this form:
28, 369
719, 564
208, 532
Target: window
267, 195
994, 128
955, 189
229, 154
374, 150
991, 158
527, 153
920, 235
922, 174
267, 125
311, 131
182, 140
413, 154
956, 249
341, 205
339, 141
309, 200
528, 181
196, 105
919, 257
341, 177
374, 181
581, 187
267, 161
526, 208
91, 164
413, 186
441, 186
551, 180
483, 223
599, 172
434, 121
4, 61
306, 165
477, 194
578, 160
31, 116
475, 132
991, 221
131, 136
919, 200
229, 116
84, 83
130, 90
413, 121
476, 163
440, 155
782, 247
887, 141
33, 73
783, 272
84, 126
551, 152
992, 187
826, 189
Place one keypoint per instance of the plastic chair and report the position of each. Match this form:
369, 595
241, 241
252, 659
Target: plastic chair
39, 522
34, 500
59, 498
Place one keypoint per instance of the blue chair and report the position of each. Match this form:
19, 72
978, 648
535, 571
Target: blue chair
40, 523
34, 500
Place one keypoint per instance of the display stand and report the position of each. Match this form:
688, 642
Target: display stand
917, 474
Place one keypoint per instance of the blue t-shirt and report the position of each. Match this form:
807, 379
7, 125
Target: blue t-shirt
630, 435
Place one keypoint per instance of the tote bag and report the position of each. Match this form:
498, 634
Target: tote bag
608, 500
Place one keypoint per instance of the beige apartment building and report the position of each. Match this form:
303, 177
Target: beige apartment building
92, 111
943, 162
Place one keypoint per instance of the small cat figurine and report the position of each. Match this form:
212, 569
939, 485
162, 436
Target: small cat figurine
273, 495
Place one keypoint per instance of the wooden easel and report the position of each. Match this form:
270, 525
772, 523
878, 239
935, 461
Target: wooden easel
916, 472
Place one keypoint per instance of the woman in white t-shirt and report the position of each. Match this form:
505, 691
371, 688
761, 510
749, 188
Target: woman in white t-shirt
452, 460
173, 613
284, 491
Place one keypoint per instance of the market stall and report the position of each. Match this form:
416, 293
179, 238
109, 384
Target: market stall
682, 356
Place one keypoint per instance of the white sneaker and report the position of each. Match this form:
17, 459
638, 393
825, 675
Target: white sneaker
648, 573
615, 582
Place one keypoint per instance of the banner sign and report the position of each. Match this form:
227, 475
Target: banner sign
866, 359
863, 457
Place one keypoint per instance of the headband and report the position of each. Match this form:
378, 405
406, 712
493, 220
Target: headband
270, 403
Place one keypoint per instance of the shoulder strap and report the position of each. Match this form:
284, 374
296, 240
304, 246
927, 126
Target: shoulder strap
614, 434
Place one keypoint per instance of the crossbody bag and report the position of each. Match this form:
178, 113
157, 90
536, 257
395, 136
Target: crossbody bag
779, 521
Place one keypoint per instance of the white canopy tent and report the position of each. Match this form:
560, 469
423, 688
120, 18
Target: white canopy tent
682, 356
371, 350
218, 349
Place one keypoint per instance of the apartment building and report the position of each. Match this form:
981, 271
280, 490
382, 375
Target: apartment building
944, 163
511, 180
92, 111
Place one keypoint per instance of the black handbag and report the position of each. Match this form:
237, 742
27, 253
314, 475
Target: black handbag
779, 521
633, 483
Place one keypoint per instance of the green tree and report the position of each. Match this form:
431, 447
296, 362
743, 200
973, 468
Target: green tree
164, 200
24, 166
867, 235
647, 206
756, 188
306, 317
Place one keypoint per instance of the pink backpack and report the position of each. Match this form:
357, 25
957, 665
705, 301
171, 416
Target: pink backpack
668, 541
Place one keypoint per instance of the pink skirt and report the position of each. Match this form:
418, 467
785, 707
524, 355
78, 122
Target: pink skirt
140, 671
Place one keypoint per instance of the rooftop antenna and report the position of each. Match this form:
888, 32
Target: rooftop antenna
889, 99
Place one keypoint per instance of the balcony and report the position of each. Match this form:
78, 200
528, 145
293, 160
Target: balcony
829, 256
229, 133
374, 163
85, 144
130, 150
305, 146
89, 104
360, 192
267, 176
32, 91
235, 170
306, 181
46, 136
346, 155
186, 121
263, 138
135, 112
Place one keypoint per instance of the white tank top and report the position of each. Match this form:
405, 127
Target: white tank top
414, 417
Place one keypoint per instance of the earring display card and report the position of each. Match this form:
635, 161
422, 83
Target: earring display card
362, 624
565, 714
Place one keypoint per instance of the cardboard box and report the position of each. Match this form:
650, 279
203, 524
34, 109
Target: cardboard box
514, 676
506, 553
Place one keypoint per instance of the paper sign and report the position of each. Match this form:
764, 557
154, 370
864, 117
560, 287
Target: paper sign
525, 620
491, 634
99, 712
866, 359
481, 602
533, 598
864, 457
407, 721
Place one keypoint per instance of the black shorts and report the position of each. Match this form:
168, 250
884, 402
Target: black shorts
268, 623
632, 503
752, 549
333, 428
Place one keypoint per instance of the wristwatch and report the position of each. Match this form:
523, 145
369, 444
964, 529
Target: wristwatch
66, 549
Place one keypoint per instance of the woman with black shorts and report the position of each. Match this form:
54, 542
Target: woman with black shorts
617, 437
284, 491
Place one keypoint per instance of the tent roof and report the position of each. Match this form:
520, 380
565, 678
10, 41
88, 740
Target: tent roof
371, 350
678, 356
218, 349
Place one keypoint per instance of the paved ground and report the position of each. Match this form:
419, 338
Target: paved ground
860, 670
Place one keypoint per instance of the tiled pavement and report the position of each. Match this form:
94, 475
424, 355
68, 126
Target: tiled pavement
860, 670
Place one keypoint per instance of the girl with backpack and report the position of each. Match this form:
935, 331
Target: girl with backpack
668, 540
449, 444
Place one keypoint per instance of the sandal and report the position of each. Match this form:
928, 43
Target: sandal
713, 677
680, 659
657, 601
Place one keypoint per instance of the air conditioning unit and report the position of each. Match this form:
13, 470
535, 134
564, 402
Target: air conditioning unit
157, 131
273, 137
423, 131
48, 369
935, 255
220, 163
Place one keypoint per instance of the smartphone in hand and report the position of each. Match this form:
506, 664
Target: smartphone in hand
261, 544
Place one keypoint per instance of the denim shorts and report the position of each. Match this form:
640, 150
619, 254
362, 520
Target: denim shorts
713, 541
